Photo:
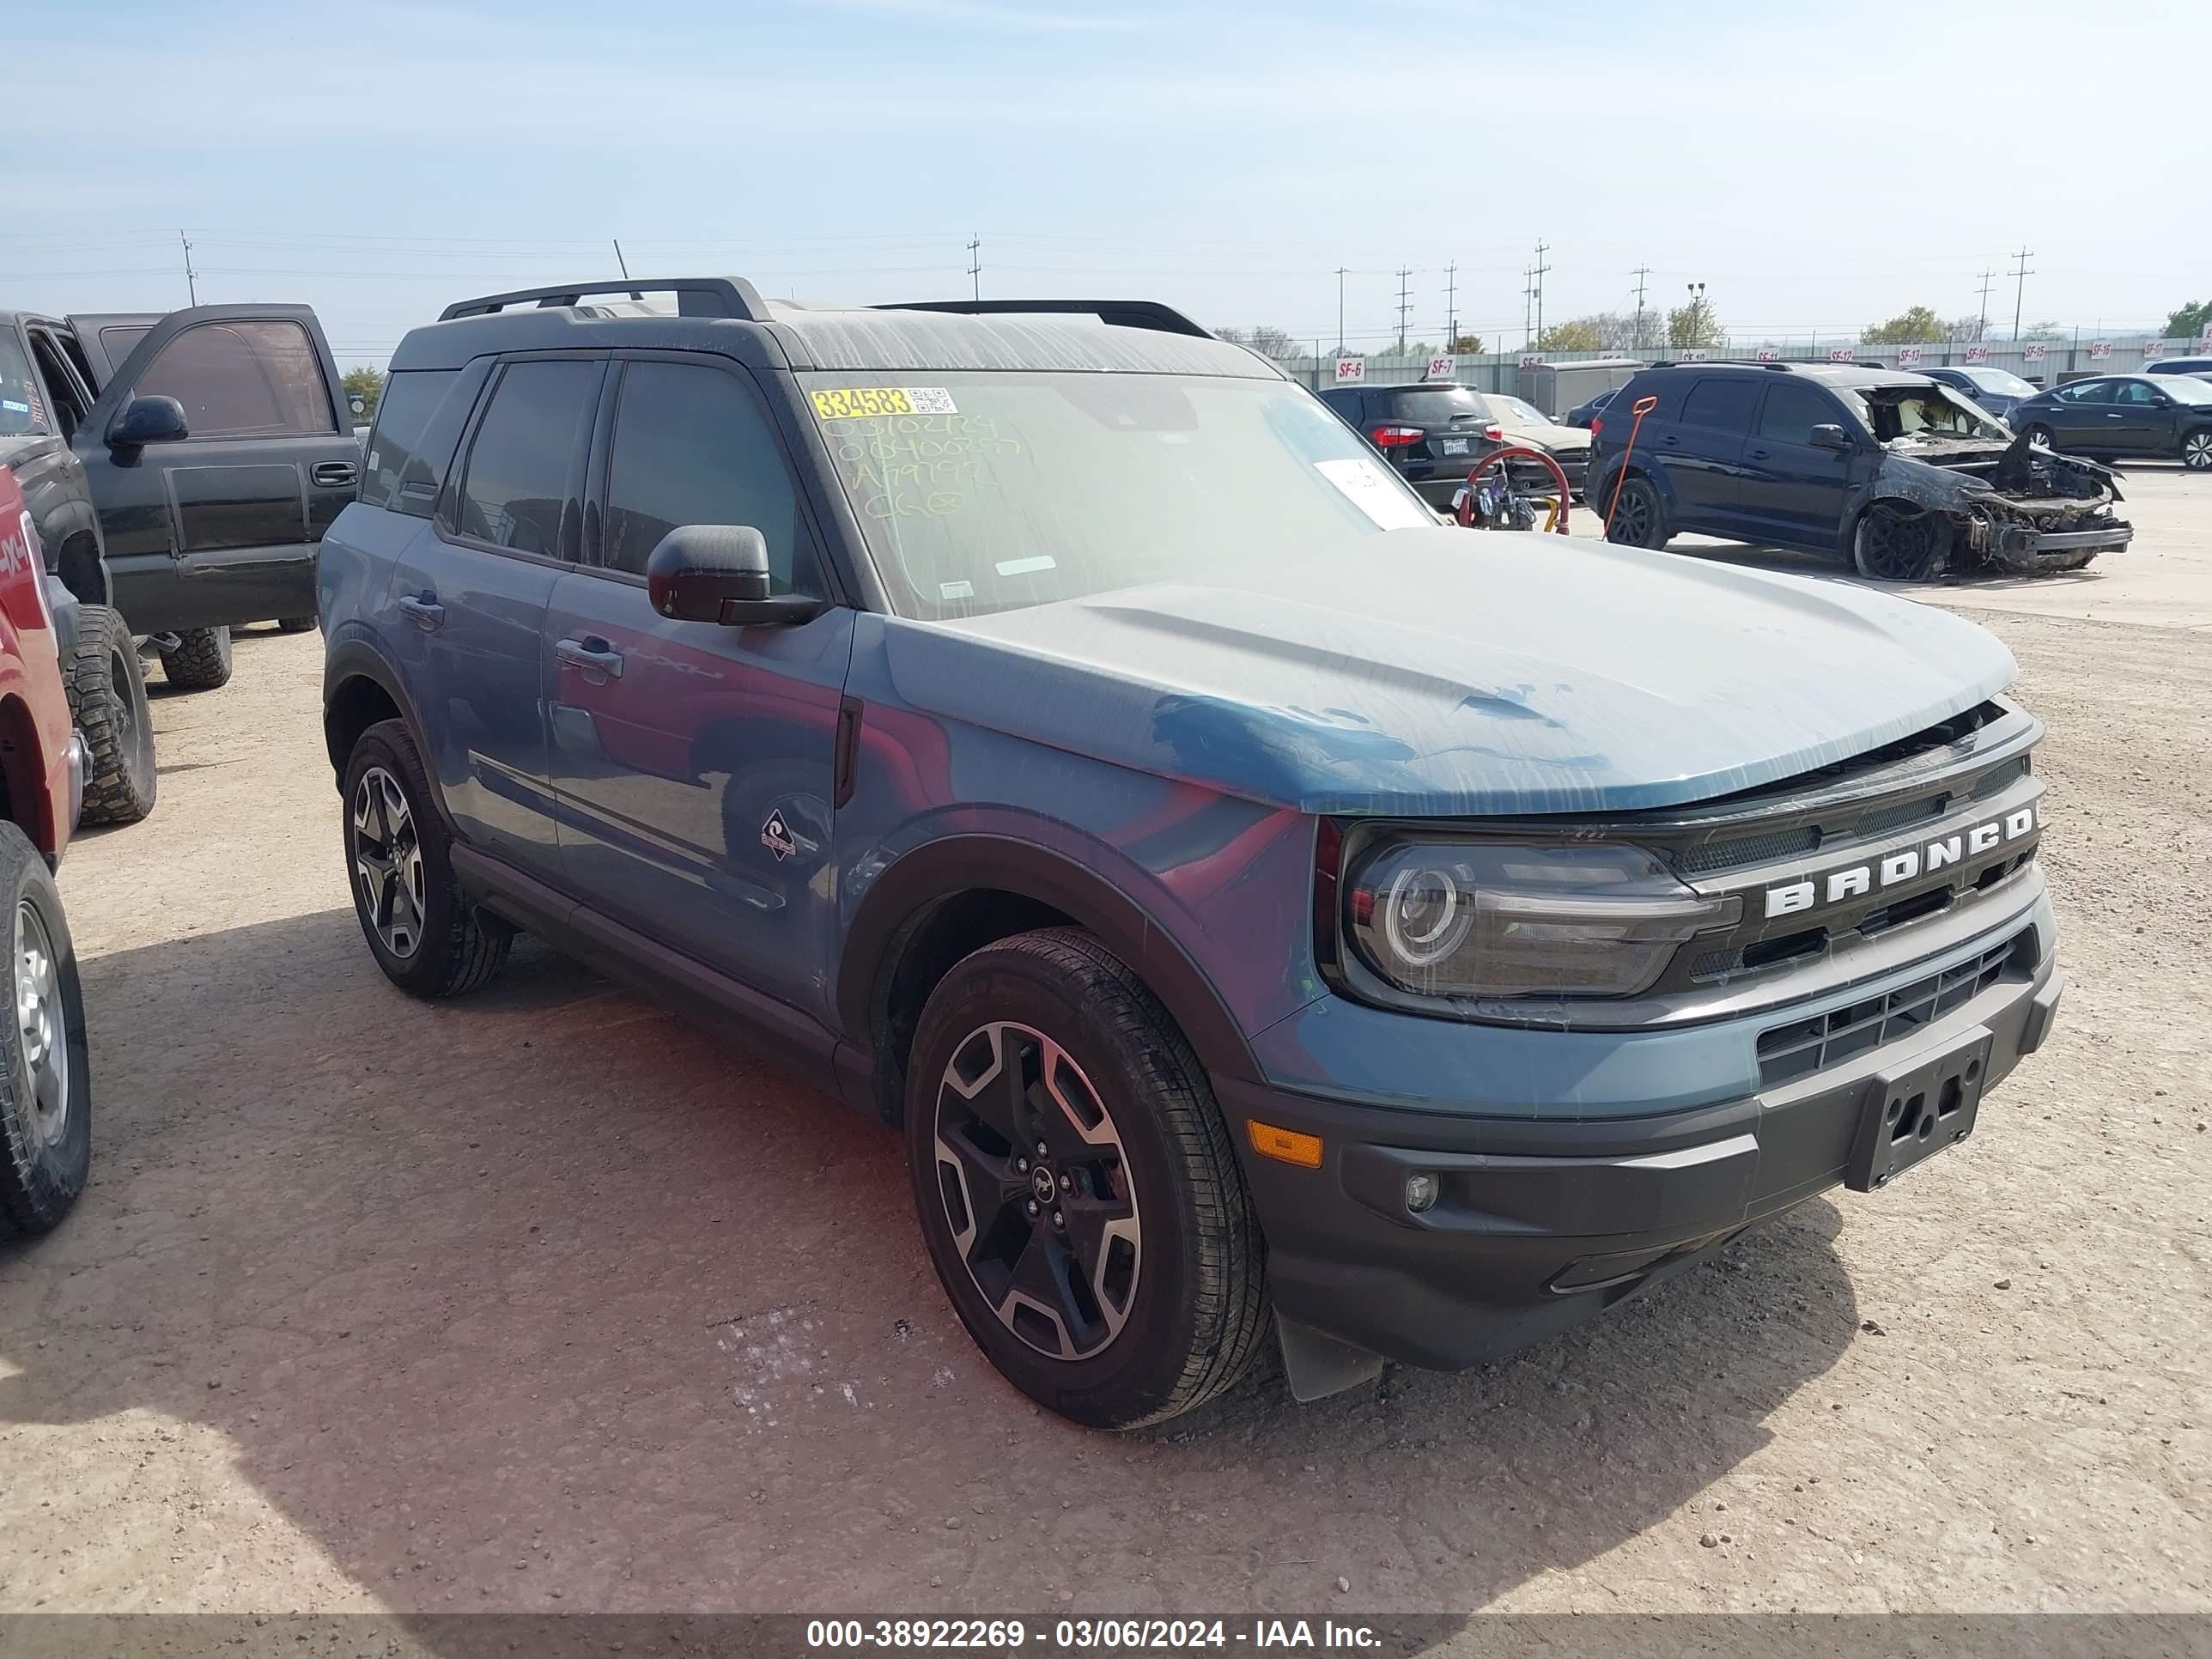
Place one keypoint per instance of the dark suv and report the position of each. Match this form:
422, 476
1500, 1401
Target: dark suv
1255, 902
1900, 474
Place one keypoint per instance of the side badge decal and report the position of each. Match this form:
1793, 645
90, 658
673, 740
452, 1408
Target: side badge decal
776, 836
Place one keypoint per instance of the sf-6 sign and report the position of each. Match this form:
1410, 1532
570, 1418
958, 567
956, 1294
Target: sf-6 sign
1350, 370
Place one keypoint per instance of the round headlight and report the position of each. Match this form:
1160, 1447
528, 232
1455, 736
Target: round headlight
1424, 915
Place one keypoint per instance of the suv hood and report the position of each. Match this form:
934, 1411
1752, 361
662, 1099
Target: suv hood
1461, 673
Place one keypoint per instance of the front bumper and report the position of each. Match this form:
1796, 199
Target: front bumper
1542, 1223
2020, 539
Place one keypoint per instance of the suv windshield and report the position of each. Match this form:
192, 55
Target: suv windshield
2003, 382
988, 492
1919, 414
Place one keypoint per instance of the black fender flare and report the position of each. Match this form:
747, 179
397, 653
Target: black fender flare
353, 658
938, 870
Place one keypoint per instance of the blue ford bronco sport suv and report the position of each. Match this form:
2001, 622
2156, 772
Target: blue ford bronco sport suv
1259, 906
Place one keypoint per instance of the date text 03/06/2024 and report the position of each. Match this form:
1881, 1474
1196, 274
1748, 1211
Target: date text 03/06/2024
1075, 1635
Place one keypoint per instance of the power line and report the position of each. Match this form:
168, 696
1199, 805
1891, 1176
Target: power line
2020, 276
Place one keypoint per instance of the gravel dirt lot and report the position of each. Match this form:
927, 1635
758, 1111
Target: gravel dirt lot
546, 1300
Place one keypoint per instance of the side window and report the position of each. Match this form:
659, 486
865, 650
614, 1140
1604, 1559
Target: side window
1793, 410
119, 340
396, 448
2135, 393
67, 400
2087, 392
256, 379
1722, 403
517, 492
22, 408
693, 446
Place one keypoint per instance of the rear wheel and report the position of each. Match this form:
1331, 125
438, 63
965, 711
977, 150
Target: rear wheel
46, 1076
1636, 518
2197, 450
1897, 545
1076, 1186
107, 686
200, 661
425, 935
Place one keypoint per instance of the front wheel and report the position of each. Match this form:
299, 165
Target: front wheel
2041, 435
1076, 1185
2197, 450
1893, 544
423, 932
46, 1073
107, 686
1636, 518
200, 661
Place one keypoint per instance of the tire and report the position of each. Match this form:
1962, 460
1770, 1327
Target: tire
107, 685
201, 661
294, 624
2197, 449
1635, 517
1889, 545
1167, 1308
2040, 435
428, 938
45, 1074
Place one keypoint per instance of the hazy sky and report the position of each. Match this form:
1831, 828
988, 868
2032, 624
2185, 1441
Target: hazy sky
1817, 166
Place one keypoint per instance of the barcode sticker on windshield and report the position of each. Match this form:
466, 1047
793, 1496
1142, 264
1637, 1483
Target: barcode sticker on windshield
862, 402
1376, 493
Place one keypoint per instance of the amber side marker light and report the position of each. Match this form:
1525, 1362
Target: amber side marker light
1284, 1145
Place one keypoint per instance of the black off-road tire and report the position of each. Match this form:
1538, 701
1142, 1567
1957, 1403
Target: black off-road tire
45, 1108
458, 947
294, 624
1636, 517
201, 661
107, 685
1196, 1313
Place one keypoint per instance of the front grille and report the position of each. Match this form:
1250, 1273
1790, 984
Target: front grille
1803, 1047
1749, 849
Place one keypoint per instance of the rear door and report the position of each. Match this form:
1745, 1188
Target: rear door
1792, 491
221, 526
695, 762
2082, 415
469, 600
1703, 449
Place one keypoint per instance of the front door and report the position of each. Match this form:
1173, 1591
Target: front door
695, 762
2146, 422
1793, 491
223, 526
469, 599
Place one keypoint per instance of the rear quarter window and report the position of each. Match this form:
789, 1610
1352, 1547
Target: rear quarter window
405, 466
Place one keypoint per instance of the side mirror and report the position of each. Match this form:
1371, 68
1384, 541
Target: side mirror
1830, 436
148, 421
718, 573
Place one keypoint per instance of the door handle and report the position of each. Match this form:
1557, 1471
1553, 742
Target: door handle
1759, 454
1670, 439
2114, 415
334, 475
590, 655
425, 611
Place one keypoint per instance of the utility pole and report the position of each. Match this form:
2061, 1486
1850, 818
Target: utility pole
976, 262
192, 279
619, 260
1636, 340
1339, 310
2020, 274
1451, 307
1528, 298
1539, 269
1404, 302
1981, 325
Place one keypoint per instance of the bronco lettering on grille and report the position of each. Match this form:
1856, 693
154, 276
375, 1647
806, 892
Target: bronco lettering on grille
1906, 864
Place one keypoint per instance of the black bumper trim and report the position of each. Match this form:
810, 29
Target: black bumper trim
1540, 1224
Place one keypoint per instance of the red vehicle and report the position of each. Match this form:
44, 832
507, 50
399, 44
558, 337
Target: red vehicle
46, 1094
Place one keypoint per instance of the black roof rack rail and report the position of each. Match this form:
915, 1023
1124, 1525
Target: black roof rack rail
1726, 362
1122, 313
695, 296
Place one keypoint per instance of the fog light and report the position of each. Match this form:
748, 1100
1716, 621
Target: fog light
1421, 1191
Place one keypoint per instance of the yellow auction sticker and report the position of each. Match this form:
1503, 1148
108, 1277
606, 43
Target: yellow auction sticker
856, 403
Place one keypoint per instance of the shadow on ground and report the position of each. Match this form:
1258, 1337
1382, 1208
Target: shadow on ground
544, 1300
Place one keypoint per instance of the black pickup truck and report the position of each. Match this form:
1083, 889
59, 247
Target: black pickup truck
180, 469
